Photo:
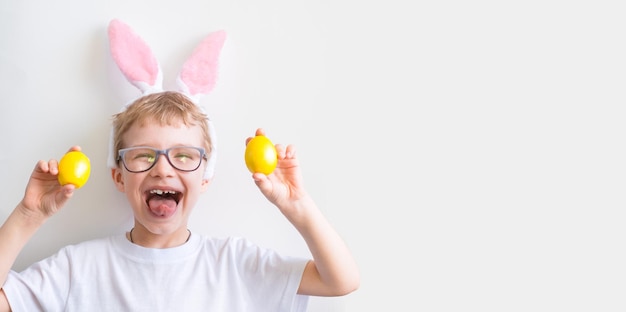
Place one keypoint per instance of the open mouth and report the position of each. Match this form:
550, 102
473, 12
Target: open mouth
163, 202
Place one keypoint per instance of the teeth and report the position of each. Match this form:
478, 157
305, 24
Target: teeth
161, 192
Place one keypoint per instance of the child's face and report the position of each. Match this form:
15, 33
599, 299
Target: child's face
162, 214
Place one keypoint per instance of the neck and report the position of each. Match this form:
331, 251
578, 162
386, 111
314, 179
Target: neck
145, 238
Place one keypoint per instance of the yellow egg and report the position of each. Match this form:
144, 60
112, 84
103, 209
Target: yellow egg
261, 155
74, 168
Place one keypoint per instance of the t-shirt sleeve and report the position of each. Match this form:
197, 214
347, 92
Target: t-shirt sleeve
43, 286
273, 279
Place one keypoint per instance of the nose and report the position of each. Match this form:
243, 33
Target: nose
162, 167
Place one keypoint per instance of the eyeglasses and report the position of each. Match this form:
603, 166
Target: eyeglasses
143, 158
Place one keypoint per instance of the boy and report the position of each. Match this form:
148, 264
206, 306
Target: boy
162, 145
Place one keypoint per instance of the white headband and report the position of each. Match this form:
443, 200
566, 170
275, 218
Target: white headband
141, 68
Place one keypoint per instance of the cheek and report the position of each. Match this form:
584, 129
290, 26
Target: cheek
195, 186
128, 182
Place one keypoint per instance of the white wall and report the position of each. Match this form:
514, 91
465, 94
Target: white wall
471, 153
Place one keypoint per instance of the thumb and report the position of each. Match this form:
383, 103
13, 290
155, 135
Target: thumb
65, 194
262, 182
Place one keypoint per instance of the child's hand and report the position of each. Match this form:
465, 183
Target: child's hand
44, 196
283, 187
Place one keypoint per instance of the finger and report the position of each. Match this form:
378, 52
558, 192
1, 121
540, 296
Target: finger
53, 166
280, 150
66, 193
262, 182
259, 131
74, 148
69, 188
41, 166
291, 151
257, 176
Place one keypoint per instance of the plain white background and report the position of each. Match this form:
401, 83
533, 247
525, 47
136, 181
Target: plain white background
471, 153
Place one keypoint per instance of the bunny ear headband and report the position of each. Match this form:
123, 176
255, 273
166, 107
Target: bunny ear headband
141, 68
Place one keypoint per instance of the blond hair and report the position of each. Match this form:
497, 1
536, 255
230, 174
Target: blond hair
166, 108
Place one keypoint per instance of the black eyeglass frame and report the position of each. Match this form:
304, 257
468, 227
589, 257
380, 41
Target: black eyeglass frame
164, 152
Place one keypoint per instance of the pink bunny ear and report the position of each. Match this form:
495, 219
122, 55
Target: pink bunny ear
199, 73
197, 78
134, 58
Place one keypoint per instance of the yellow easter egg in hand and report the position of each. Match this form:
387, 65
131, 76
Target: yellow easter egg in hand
261, 155
74, 168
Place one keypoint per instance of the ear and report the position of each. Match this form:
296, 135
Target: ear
205, 184
134, 58
116, 175
197, 78
199, 73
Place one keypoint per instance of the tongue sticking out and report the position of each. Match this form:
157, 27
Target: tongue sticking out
162, 206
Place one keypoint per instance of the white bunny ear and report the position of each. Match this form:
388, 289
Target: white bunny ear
210, 164
199, 73
134, 58
197, 78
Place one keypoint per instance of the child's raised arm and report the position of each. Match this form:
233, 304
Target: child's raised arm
44, 196
333, 271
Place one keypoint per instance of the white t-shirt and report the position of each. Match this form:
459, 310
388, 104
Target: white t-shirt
204, 274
